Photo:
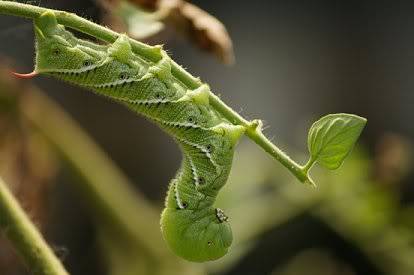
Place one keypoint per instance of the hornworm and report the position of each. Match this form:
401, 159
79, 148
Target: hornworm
190, 224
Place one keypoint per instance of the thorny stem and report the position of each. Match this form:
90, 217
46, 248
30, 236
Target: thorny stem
253, 128
28, 242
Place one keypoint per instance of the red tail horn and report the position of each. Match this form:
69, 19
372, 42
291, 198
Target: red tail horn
29, 75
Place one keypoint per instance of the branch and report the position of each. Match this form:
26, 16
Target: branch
26, 239
80, 24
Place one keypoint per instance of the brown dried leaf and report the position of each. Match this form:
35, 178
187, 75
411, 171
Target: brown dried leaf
150, 5
206, 31
203, 29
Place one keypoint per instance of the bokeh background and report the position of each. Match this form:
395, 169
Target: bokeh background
295, 61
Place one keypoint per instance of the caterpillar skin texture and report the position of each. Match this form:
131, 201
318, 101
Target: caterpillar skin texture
191, 226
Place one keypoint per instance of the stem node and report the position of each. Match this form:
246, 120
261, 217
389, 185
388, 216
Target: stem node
255, 125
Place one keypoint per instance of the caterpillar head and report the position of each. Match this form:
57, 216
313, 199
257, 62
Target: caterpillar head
56, 48
198, 238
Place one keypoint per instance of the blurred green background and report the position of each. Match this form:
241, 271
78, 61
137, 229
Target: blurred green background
93, 175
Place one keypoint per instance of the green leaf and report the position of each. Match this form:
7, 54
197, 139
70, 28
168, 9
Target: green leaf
332, 138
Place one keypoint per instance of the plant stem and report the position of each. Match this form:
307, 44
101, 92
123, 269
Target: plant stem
253, 131
80, 24
308, 165
26, 239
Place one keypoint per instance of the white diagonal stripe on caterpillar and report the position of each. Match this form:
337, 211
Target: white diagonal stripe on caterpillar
78, 71
146, 101
177, 196
181, 124
162, 101
193, 170
118, 82
202, 149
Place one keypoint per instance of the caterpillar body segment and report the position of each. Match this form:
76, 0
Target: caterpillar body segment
192, 227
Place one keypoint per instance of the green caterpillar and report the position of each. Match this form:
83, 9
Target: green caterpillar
191, 226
